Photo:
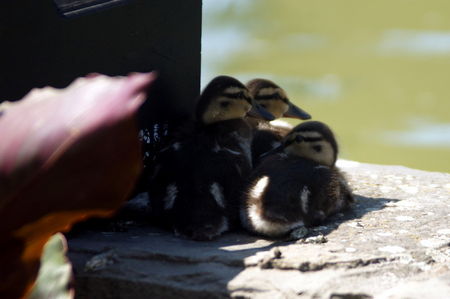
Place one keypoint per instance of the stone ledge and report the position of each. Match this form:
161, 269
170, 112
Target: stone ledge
395, 243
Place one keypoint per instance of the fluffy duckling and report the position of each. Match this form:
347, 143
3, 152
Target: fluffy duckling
274, 99
296, 184
196, 178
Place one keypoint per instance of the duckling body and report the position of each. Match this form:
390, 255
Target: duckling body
189, 195
267, 136
297, 185
193, 189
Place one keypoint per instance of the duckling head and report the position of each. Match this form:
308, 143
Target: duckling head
274, 99
312, 140
226, 98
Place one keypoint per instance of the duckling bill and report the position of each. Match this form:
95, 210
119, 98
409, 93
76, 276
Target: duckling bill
274, 99
296, 185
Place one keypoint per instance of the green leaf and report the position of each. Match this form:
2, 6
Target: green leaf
55, 273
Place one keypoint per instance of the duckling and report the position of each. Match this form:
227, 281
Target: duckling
194, 185
274, 99
296, 185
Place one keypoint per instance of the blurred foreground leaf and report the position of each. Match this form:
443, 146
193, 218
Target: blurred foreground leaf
55, 272
65, 154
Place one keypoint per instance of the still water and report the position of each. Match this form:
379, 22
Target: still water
378, 72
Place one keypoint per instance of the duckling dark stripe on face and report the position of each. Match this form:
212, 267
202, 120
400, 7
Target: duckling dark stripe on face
312, 139
237, 93
301, 139
217, 193
271, 93
305, 137
171, 196
233, 96
275, 96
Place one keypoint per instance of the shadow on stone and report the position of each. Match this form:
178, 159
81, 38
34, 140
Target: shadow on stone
125, 257
363, 205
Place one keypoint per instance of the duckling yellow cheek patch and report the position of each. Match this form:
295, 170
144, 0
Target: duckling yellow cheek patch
278, 108
326, 154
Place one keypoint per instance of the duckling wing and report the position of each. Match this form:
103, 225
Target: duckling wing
330, 193
162, 184
292, 187
206, 206
296, 190
193, 185
272, 198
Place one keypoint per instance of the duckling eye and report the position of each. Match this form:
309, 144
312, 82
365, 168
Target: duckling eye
317, 148
224, 104
299, 138
263, 105
244, 96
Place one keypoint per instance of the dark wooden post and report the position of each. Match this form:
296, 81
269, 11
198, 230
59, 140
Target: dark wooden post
39, 46
51, 42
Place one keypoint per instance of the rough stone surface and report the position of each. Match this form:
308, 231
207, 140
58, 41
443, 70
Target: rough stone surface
395, 243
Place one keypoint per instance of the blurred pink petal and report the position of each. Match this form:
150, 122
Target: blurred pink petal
65, 154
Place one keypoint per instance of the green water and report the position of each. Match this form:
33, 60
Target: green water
378, 72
